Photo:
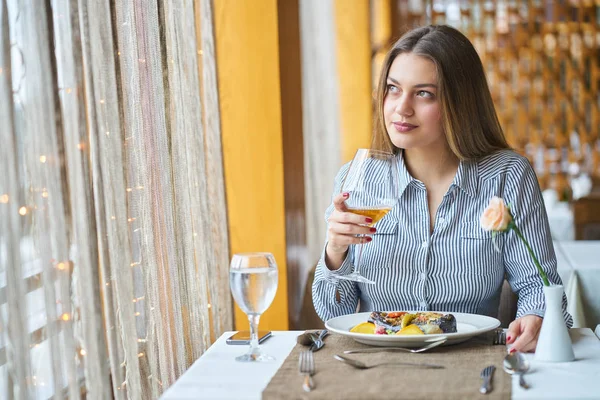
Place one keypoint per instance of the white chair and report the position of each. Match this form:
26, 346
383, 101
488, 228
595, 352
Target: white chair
598, 331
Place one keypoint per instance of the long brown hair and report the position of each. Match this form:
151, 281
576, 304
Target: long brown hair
469, 119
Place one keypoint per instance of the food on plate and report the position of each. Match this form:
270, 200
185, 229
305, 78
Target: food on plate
411, 329
407, 323
364, 327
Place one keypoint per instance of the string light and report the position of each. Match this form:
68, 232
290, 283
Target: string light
42, 159
4, 199
200, 52
65, 317
23, 210
130, 219
137, 314
101, 101
82, 352
129, 189
69, 90
133, 264
107, 133
45, 194
1, 71
61, 265
81, 146
209, 306
140, 355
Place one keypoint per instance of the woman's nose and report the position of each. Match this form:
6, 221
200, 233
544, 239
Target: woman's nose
404, 106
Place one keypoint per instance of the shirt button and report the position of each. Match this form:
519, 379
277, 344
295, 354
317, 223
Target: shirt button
423, 276
442, 222
425, 244
423, 305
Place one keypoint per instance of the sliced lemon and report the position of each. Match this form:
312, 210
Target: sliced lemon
407, 319
364, 327
411, 329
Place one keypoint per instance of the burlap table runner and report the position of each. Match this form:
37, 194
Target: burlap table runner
335, 380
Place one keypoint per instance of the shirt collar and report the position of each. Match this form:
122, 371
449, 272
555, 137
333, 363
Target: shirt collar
466, 176
404, 178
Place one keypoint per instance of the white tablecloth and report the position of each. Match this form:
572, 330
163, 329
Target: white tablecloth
216, 375
560, 217
579, 268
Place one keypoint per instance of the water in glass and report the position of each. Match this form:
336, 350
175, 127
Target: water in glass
253, 281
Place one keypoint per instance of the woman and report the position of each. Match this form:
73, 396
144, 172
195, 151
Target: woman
434, 109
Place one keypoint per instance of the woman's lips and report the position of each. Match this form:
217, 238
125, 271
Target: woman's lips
403, 126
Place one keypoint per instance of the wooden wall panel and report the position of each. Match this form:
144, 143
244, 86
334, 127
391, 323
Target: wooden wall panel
246, 34
353, 52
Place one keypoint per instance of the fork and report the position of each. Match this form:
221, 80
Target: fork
318, 340
499, 336
396, 349
486, 375
306, 366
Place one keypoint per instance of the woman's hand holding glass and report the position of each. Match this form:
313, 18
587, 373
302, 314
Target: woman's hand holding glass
345, 228
369, 192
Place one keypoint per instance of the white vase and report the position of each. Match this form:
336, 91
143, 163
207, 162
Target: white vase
554, 343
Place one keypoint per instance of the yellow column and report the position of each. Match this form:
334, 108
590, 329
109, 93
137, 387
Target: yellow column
354, 69
246, 41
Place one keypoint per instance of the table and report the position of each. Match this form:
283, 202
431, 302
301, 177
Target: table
560, 218
579, 267
216, 375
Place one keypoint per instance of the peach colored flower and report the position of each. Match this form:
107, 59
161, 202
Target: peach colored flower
496, 216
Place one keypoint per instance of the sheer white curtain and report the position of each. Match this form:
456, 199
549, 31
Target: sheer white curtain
113, 227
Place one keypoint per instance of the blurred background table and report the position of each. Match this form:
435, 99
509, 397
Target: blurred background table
579, 268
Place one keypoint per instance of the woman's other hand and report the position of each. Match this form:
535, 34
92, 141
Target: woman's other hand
343, 228
523, 333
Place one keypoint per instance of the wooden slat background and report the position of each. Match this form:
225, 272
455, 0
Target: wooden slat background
543, 65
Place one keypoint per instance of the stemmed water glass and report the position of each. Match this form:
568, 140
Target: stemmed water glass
372, 182
253, 282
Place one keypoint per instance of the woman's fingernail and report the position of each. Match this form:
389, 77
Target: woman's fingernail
511, 350
373, 230
368, 220
346, 194
368, 238
509, 338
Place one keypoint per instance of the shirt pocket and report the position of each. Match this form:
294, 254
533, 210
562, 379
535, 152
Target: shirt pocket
479, 255
379, 253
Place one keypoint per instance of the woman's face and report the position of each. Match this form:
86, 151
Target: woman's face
411, 106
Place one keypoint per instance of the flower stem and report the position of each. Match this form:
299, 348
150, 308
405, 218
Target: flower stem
535, 260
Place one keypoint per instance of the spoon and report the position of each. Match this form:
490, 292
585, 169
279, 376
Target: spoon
360, 365
378, 349
516, 363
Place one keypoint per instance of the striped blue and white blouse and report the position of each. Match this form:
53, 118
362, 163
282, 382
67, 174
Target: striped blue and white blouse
456, 268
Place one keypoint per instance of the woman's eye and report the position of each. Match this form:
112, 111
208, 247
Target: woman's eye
424, 93
392, 88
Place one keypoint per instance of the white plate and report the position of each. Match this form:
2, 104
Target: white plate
467, 326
